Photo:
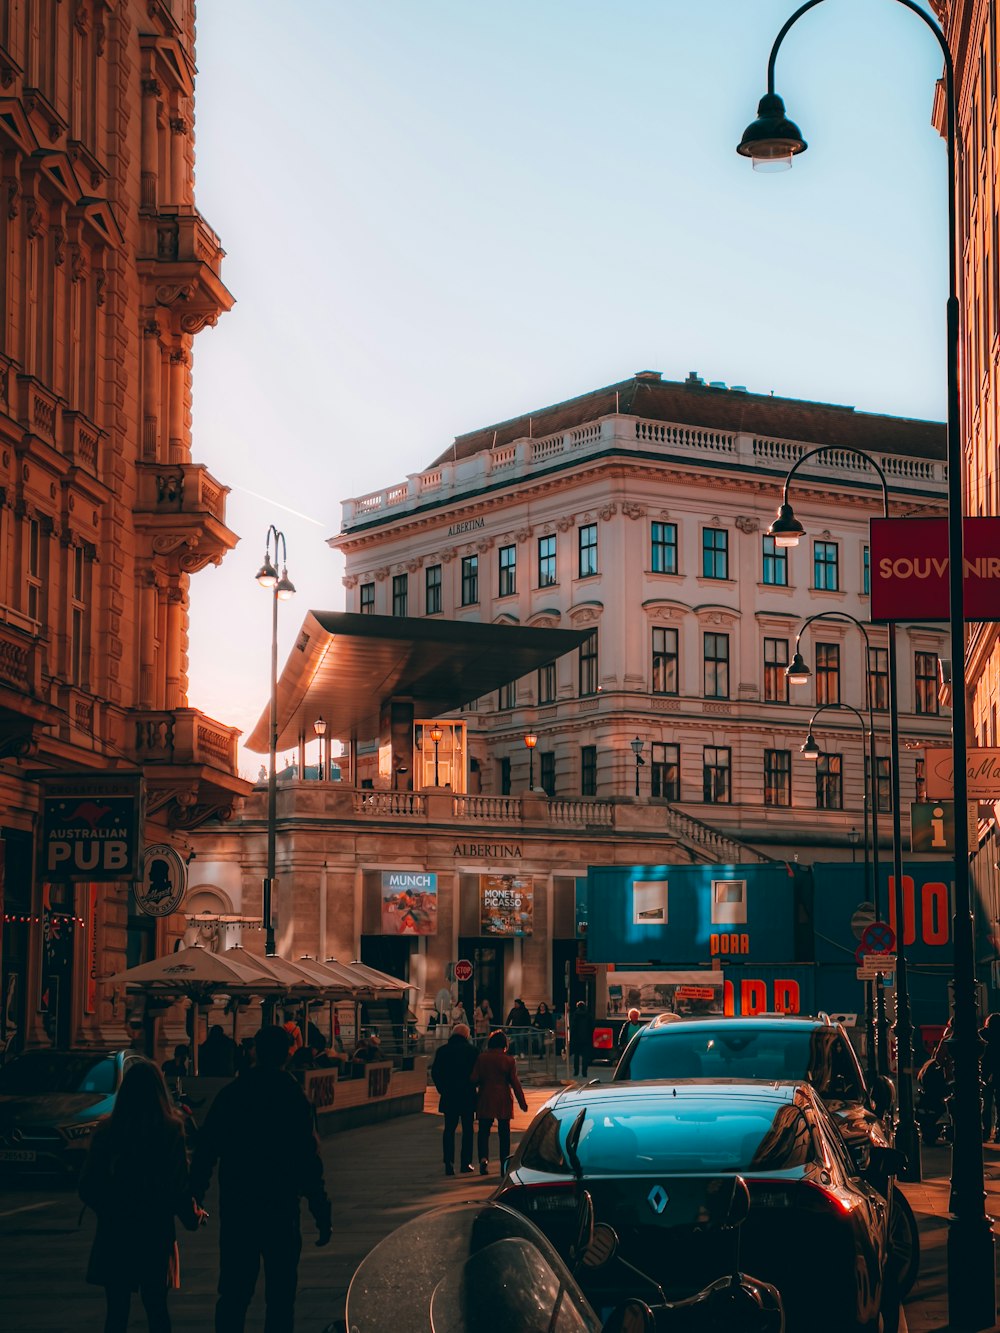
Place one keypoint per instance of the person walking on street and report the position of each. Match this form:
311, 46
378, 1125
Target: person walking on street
260, 1131
451, 1073
581, 1039
135, 1178
990, 1070
632, 1025
495, 1075
519, 1022
482, 1018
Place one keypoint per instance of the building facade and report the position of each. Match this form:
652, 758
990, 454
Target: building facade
636, 514
107, 271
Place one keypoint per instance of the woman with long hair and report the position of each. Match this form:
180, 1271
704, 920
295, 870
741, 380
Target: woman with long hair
495, 1075
135, 1178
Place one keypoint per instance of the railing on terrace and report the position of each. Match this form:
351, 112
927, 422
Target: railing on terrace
516, 460
381, 803
489, 809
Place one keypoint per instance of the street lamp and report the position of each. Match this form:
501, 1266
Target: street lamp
637, 745
971, 1280
282, 588
853, 837
435, 734
319, 727
531, 740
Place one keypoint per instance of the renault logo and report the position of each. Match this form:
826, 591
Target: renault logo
657, 1199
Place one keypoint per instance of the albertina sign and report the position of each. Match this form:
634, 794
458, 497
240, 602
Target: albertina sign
909, 568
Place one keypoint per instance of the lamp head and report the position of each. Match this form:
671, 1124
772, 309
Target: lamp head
797, 672
786, 528
810, 750
319, 726
853, 837
637, 745
531, 740
772, 140
284, 587
435, 734
267, 575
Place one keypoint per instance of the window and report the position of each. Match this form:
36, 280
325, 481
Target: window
588, 550
716, 666
547, 775
508, 571
878, 677
826, 575
866, 570
715, 553
665, 771
925, 672
883, 782
508, 695
79, 620
432, 589
470, 580
368, 599
829, 785
400, 594
503, 775
920, 779
775, 564
715, 774
546, 561
547, 683
828, 674
777, 777
588, 770
729, 902
664, 661
664, 548
775, 680
588, 665
35, 580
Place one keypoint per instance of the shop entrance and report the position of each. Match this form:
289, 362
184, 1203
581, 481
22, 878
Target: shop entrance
487, 977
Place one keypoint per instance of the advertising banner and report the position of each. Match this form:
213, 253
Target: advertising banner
506, 904
909, 569
982, 768
652, 993
409, 902
91, 827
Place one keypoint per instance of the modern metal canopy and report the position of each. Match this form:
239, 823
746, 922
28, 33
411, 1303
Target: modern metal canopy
345, 666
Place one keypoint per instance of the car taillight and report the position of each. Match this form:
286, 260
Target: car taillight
815, 1199
541, 1199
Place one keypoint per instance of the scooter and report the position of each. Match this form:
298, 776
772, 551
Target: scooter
933, 1103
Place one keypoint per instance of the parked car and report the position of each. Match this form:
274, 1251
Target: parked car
815, 1050
651, 1158
50, 1104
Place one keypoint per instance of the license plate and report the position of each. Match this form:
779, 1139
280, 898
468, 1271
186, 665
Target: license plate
16, 1155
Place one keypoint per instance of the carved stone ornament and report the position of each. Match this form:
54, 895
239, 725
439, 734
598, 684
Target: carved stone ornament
179, 356
413, 565
151, 329
169, 293
101, 281
12, 190
632, 510
485, 545
608, 512
564, 524
523, 534
32, 216
178, 125
350, 580
382, 573
448, 555
151, 87
81, 19
747, 524
78, 265
59, 245
587, 616
195, 323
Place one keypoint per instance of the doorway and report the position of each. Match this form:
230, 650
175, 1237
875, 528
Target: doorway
487, 977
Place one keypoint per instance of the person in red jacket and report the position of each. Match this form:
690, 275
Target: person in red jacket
495, 1076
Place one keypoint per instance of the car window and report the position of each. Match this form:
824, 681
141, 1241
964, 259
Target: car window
41, 1072
541, 1149
711, 1051
833, 1067
689, 1137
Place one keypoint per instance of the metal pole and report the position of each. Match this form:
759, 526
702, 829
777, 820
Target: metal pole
272, 782
881, 1024
637, 775
870, 1061
531, 769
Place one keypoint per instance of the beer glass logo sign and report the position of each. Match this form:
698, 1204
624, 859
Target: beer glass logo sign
90, 837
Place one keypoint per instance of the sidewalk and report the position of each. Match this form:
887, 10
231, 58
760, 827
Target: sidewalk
927, 1307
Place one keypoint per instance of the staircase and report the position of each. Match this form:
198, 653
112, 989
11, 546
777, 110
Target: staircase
384, 1018
707, 843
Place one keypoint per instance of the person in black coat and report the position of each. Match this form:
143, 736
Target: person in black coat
217, 1054
451, 1072
581, 1039
260, 1129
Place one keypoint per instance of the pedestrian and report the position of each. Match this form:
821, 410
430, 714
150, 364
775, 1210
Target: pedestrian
630, 1027
451, 1073
482, 1019
543, 1021
217, 1054
990, 1073
135, 1178
458, 1014
260, 1131
581, 1039
519, 1021
177, 1066
495, 1076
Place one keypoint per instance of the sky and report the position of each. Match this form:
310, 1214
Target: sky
440, 214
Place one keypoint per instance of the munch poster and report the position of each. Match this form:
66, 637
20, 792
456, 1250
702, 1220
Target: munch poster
409, 902
506, 904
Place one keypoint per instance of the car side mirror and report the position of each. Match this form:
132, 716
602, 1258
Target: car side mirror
602, 1248
886, 1161
632, 1317
882, 1096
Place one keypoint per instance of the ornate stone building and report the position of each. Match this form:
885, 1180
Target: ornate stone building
107, 271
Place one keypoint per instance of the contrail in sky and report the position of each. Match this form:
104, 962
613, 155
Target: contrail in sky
271, 501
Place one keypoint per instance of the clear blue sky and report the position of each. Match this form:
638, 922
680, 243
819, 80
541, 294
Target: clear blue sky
441, 213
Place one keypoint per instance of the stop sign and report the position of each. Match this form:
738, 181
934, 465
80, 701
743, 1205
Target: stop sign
463, 970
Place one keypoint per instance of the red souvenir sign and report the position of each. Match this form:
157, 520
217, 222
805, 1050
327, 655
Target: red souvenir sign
909, 569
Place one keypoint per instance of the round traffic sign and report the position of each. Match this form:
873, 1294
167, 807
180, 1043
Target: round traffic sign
463, 970
879, 937
864, 915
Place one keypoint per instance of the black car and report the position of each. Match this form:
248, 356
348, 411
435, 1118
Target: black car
814, 1050
652, 1157
50, 1104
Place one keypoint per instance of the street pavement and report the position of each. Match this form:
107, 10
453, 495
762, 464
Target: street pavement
379, 1176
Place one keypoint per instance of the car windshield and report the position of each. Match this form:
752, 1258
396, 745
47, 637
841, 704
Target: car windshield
40, 1072
682, 1135
771, 1053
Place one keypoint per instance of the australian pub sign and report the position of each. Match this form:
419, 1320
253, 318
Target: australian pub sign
91, 827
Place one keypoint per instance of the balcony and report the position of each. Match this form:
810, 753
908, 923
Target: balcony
23, 708
189, 763
180, 263
181, 505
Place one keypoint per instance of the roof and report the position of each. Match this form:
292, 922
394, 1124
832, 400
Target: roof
345, 666
694, 403
611, 1094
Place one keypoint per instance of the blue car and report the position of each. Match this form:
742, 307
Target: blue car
50, 1104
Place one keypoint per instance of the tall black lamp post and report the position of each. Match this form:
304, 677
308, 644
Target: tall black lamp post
435, 734
771, 142
854, 837
531, 740
637, 745
319, 727
281, 589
